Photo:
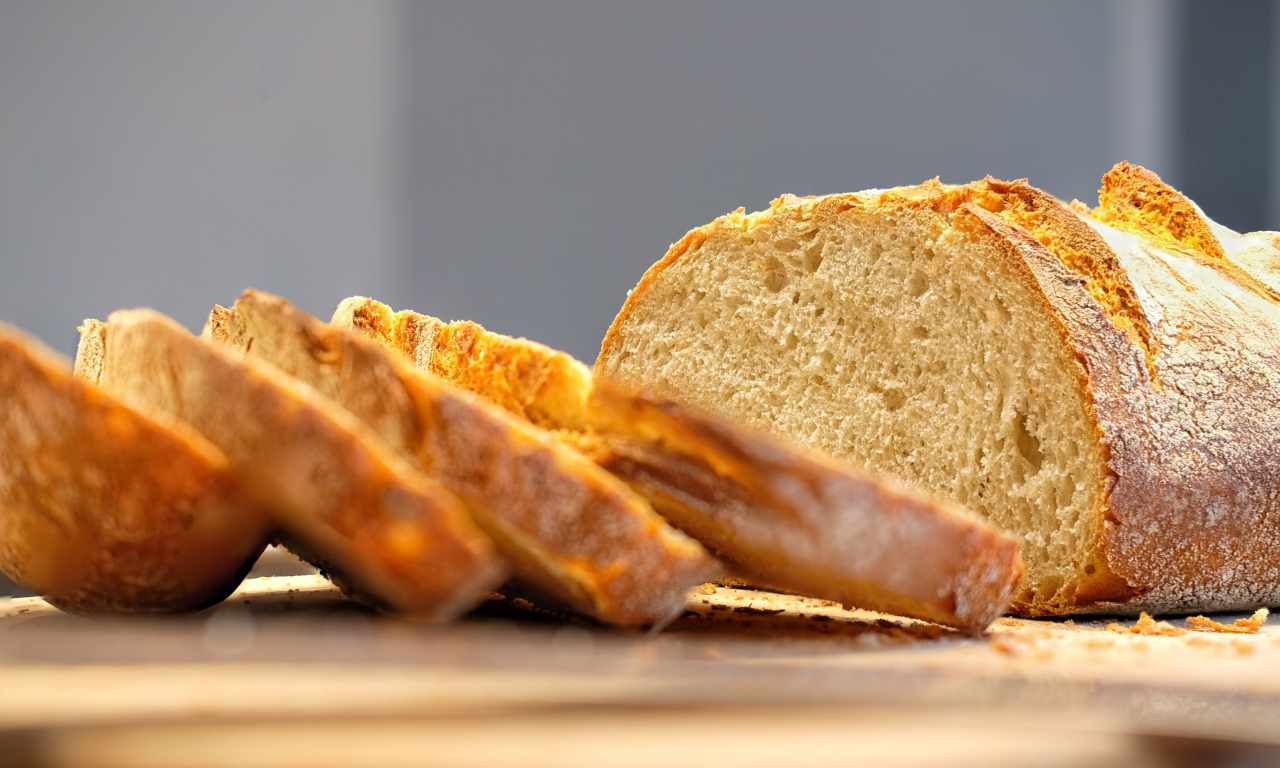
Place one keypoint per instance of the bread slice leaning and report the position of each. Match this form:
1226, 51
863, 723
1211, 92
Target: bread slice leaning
1101, 383
779, 515
571, 531
104, 509
342, 500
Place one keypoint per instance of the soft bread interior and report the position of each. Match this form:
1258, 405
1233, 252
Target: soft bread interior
898, 342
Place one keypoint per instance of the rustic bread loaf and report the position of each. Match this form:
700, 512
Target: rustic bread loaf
571, 531
1105, 384
104, 509
343, 501
778, 515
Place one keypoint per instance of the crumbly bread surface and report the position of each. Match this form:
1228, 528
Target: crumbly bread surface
779, 515
571, 531
103, 509
386, 533
1107, 390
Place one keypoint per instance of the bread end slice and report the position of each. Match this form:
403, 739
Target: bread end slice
104, 509
790, 517
344, 501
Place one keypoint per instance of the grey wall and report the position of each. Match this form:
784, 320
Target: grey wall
521, 163
172, 153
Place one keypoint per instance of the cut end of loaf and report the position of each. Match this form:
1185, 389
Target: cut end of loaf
892, 330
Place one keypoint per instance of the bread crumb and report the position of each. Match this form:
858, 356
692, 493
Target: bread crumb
1002, 645
707, 589
1249, 626
1145, 625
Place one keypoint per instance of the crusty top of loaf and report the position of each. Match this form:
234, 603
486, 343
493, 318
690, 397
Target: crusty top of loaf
1183, 374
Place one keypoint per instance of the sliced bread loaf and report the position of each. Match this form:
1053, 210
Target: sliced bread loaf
104, 509
779, 515
343, 501
571, 531
1104, 384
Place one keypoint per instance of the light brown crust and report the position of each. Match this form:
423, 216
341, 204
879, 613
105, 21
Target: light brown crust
103, 509
390, 534
776, 514
1192, 437
572, 531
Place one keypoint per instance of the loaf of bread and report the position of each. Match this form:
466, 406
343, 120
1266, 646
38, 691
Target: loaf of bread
779, 515
1103, 383
572, 532
341, 499
104, 509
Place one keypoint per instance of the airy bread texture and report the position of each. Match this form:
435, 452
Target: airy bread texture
1103, 384
778, 515
342, 500
103, 509
571, 531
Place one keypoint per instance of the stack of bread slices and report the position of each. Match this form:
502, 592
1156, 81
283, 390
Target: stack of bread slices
1095, 388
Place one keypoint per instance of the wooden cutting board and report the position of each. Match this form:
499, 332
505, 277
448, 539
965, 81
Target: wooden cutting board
288, 672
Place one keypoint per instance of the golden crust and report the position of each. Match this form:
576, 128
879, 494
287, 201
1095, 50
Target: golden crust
1188, 411
390, 534
775, 514
1133, 198
571, 531
545, 386
103, 509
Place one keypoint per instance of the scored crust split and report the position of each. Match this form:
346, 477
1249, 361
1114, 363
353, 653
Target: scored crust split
572, 532
1103, 383
384, 532
104, 509
780, 516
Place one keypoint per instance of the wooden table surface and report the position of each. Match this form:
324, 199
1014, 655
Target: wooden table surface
288, 672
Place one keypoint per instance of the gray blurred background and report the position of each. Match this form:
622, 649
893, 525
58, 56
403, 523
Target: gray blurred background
521, 163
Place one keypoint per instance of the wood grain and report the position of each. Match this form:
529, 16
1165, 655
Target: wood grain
291, 673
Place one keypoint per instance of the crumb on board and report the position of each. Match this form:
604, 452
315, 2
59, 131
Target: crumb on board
1001, 645
1014, 645
707, 589
1249, 626
1145, 625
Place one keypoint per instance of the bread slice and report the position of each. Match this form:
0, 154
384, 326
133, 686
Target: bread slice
1103, 384
779, 515
343, 501
571, 531
103, 509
